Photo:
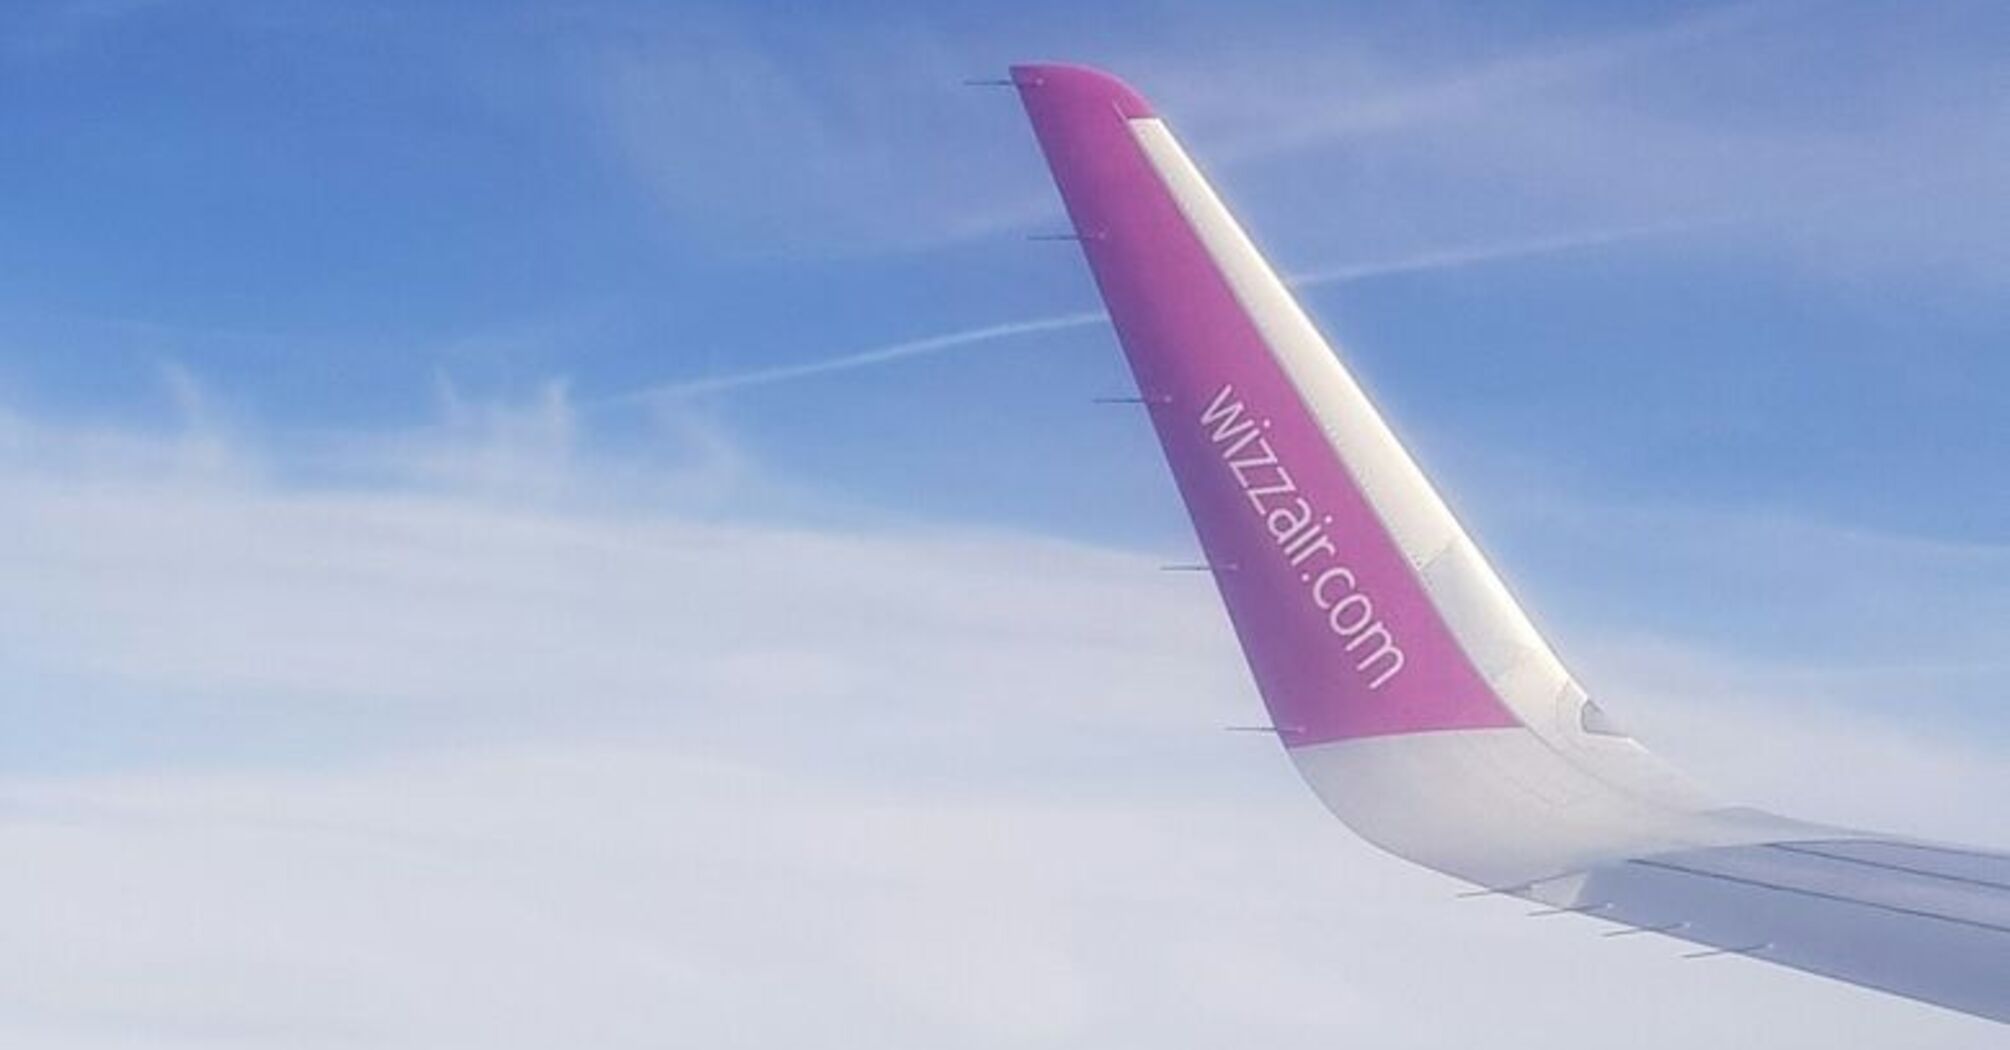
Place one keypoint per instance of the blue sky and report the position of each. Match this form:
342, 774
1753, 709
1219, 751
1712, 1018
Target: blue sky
321, 210
344, 219
382, 417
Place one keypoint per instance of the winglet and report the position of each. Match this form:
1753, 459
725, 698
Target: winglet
1333, 614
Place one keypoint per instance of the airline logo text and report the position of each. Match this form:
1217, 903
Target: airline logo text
1300, 533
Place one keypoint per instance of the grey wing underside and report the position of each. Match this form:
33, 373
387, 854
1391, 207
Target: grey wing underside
1923, 921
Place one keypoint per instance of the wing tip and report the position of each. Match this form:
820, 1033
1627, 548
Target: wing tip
1082, 84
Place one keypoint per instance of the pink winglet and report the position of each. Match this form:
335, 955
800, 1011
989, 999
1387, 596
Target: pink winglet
1338, 629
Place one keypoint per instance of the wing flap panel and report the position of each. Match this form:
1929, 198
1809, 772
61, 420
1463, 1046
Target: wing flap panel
1934, 939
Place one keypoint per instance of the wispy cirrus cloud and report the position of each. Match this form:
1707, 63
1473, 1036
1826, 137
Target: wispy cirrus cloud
1313, 106
753, 135
1394, 140
1689, 120
745, 132
736, 125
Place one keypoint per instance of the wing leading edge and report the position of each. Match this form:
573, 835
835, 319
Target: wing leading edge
1406, 684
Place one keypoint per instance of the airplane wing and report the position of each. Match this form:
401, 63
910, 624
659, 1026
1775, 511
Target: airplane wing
1402, 678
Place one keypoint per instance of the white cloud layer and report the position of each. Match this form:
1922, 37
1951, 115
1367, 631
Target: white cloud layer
442, 762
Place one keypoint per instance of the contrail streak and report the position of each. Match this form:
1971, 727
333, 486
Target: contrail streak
873, 358
1421, 262
1474, 254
